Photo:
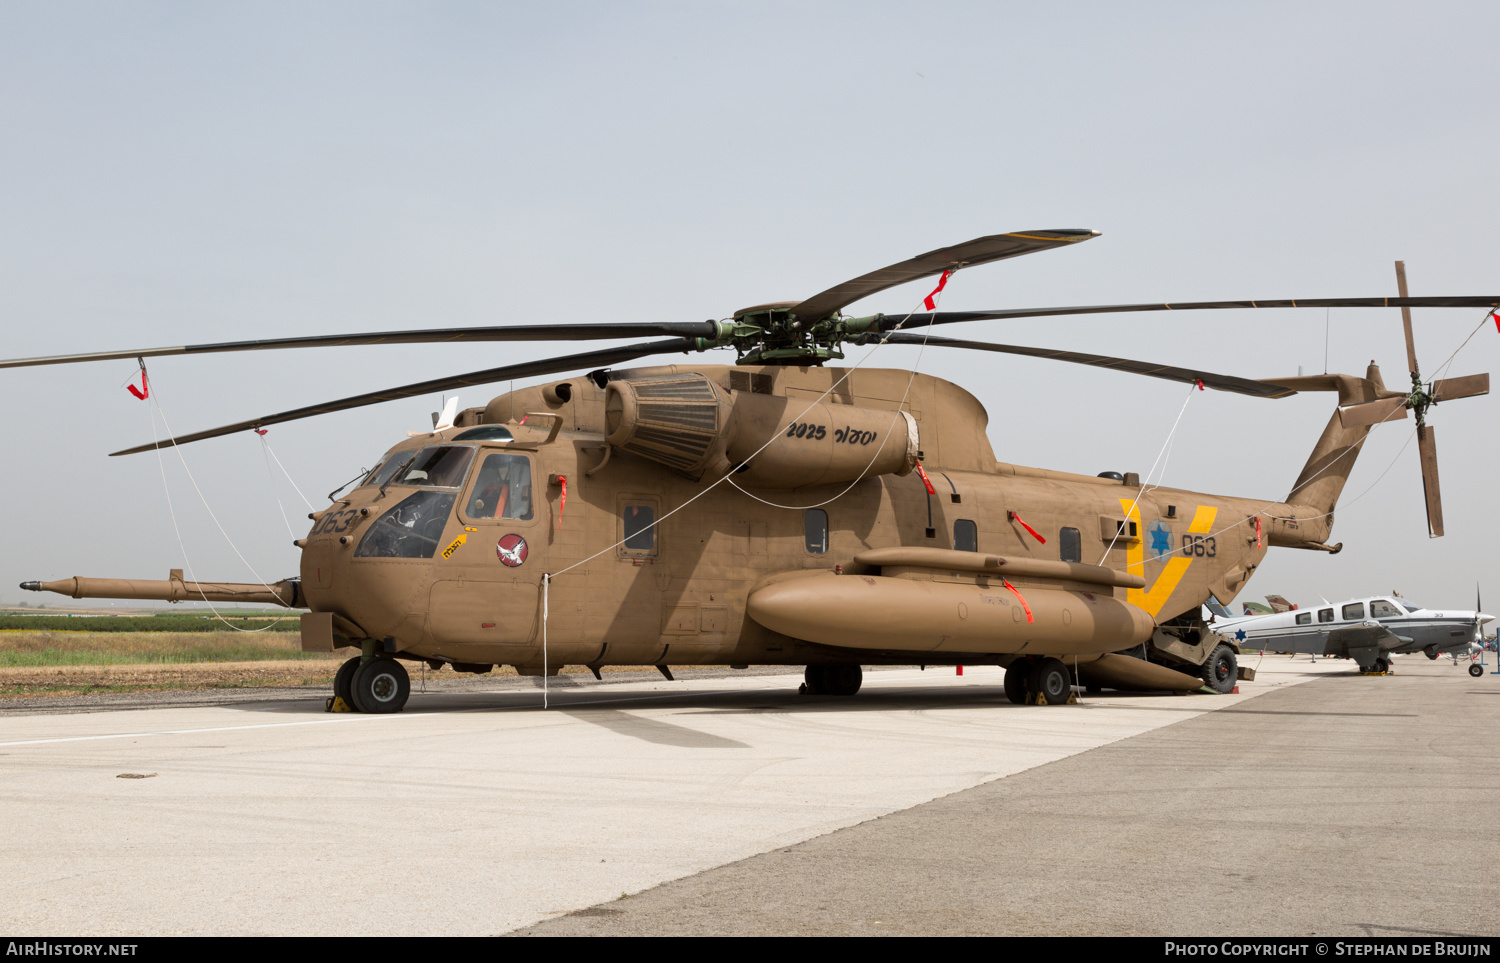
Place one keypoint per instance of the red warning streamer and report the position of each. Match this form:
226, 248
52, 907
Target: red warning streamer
145, 389
928, 301
1017, 518
1257, 531
1021, 597
1200, 384
1496, 316
260, 431
562, 501
925, 480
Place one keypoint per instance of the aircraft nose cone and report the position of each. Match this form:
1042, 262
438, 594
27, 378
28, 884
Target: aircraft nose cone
1484, 617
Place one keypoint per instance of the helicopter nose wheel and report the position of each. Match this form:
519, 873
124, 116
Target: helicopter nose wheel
380, 686
1476, 670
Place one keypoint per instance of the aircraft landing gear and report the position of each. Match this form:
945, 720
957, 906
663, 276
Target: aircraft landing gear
342, 687
380, 686
1051, 685
1476, 670
1018, 681
839, 680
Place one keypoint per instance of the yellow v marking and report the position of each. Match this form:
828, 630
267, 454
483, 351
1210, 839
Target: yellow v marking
1153, 598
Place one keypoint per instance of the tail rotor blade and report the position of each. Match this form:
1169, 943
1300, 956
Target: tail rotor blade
1448, 389
1427, 446
1411, 347
1372, 412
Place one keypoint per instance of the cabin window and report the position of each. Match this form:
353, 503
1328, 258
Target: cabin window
503, 489
1383, 609
965, 535
440, 466
640, 529
409, 530
1354, 610
1304, 618
1325, 615
389, 467
1070, 545
815, 527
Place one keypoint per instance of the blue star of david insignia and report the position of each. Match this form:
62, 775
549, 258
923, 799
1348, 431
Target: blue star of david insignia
1239, 636
1161, 538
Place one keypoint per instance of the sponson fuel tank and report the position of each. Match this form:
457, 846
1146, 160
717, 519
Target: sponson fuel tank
882, 612
690, 424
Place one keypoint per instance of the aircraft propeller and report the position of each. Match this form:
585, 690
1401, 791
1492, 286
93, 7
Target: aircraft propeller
1419, 399
813, 330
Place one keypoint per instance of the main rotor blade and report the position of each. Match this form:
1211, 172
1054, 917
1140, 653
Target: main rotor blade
1449, 389
981, 250
520, 332
953, 317
1244, 386
1373, 412
529, 369
1427, 447
1411, 346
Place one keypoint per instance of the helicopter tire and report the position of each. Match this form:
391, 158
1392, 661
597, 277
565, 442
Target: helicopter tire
1431, 652
381, 686
837, 680
343, 682
1221, 670
1018, 681
1050, 681
1476, 670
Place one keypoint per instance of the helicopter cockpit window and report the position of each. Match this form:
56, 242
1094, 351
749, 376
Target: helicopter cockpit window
485, 433
1384, 609
503, 489
386, 469
640, 533
409, 530
440, 466
965, 535
1070, 545
815, 529
1354, 610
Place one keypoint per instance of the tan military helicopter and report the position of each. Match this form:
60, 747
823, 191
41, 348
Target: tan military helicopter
783, 510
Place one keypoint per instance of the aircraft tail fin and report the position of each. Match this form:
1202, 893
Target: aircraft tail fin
1327, 470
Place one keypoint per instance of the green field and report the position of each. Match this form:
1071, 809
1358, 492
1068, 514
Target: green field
95, 647
169, 622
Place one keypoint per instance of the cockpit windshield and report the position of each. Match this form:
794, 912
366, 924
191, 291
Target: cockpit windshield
384, 470
438, 466
1410, 606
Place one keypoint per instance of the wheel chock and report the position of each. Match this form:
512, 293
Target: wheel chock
1038, 699
337, 704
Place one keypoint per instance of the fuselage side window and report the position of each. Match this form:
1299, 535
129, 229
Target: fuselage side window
1325, 615
640, 529
966, 535
1304, 618
1070, 545
503, 489
1382, 609
815, 528
1354, 610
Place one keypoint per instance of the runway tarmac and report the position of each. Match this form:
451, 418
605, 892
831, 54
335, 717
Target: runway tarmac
927, 803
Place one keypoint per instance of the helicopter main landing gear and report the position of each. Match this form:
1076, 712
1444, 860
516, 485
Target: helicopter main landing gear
839, 680
1476, 670
1041, 682
377, 686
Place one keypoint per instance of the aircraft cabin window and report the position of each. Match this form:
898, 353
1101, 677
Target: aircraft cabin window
485, 433
1304, 618
440, 466
1354, 610
1325, 615
1070, 545
409, 530
1383, 609
503, 489
640, 533
815, 526
965, 535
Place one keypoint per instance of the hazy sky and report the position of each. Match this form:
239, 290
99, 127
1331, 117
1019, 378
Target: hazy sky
175, 173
